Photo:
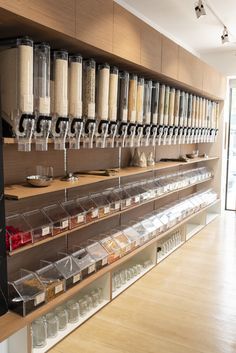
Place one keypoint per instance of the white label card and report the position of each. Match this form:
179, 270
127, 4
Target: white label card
76, 278
45, 231
80, 218
106, 209
91, 268
164, 219
95, 213
128, 248
104, 261
117, 205
39, 299
127, 202
65, 224
58, 288
137, 198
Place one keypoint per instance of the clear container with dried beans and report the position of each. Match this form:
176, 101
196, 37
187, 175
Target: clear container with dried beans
102, 203
132, 104
40, 224
123, 242
26, 293
113, 199
123, 96
89, 84
103, 91
133, 192
155, 103
85, 262
113, 93
147, 102
98, 253
132, 235
18, 232
76, 212
142, 232
69, 269
112, 248
52, 279
58, 217
90, 208
125, 198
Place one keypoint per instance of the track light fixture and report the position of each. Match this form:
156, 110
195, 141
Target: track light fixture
199, 9
225, 36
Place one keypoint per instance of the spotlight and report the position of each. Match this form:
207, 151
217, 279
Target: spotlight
199, 9
225, 36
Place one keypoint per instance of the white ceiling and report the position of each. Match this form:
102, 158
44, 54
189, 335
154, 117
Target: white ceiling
177, 20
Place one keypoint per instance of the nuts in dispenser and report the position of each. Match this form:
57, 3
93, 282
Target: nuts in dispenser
58, 217
76, 212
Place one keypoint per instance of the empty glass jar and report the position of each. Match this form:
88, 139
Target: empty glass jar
39, 332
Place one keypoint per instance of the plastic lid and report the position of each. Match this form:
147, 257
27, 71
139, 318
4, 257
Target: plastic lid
133, 77
114, 70
124, 75
103, 66
76, 58
60, 54
43, 46
90, 63
25, 41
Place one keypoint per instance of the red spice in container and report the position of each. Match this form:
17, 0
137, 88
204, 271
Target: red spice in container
18, 232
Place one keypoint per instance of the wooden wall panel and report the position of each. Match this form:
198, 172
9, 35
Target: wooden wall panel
150, 48
59, 15
169, 59
190, 69
126, 35
94, 23
18, 165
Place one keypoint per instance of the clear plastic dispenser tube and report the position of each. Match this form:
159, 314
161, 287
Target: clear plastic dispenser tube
147, 102
176, 108
132, 104
123, 97
75, 100
103, 91
166, 105
171, 106
89, 83
155, 103
113, 94
140, 100
42, 95
60, 116
161, 105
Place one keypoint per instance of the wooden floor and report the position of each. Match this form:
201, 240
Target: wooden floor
187, 304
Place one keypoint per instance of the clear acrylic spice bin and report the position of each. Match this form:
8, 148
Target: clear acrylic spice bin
18, 232
134, 194
123, 242
40, 224
125, 198
58, 217
26, 293
102, 203
76, 212
52, 279
142, 232
85, 261
112, 248
150, 227
113, 199
69, 269
90, 208
154, 218
132, 235
98, 253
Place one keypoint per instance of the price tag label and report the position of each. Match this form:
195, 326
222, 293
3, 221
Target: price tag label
65, 224
117, 205
125, 115
76, 278
104, 261
91, 268
128, 248
164, 219
80, 218
58, 288
137, 198
106, 209
40, 298
94, 213
128, 202
45, 231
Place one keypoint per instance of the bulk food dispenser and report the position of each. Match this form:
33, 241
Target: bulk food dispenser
147, 112
112, 106
16, 70
60, 120
160, 128
43, 120
139, 113
122, 115
154, 112
176, 116
75, 101
171, 116
102, 104
132, 108
89, 77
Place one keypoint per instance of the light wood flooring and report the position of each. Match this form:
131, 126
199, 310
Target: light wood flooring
187, 304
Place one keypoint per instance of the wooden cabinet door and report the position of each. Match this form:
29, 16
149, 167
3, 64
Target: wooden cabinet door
150, 48
59, 15
210, 80
169, 58
190, 69
94, 23
126, 35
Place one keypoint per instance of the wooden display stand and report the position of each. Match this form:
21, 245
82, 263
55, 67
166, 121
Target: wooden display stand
103, 43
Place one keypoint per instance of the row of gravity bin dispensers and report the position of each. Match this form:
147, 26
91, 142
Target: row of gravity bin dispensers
51, 94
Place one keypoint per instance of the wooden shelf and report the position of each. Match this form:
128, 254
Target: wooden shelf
11, 322
30, 246
21, 191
